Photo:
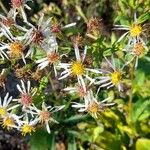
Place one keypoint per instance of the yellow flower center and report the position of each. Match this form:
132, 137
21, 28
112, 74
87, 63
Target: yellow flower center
135, 30
45, 116
3, 111
116, 77
93, 108
16, 48
139, 49
8, 123
77, 68
26, 128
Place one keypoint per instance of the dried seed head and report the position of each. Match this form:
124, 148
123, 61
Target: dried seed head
78, 40
38, 37
2, 80
56, 28
93, 27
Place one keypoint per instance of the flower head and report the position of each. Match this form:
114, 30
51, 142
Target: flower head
134, 32
5, 105
27, 94
45, 115
92, 105
111, 77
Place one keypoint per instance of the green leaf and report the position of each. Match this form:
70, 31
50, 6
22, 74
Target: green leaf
143, 144
41, 140
71, 142
144, 17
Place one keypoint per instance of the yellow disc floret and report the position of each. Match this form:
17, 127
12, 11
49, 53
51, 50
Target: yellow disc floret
116, 77
93, 108
135, 30
3, 111
77, 68
16, 48
26, 128
8, 123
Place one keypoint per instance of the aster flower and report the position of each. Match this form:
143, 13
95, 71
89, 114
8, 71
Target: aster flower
16, 46
27, 126
19, 6
112, 77
81, 88
76, 67
137, 50
92, 105
5, 105
135, 31
9, 21
11, 121
46, 114
26, 94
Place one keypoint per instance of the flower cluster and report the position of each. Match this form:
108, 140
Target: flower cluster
23, 44
136, 45
30, 114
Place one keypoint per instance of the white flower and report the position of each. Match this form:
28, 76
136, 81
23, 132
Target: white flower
18, 6
111, 77
6, 106
9, 21
27, 126
76, 67
134, 31
92, 105
26, 94
11, 121
16, 46
137, 50
81, 89
46, 114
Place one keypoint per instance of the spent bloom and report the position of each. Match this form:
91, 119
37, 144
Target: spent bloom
92, 105
45, 115
27, 94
